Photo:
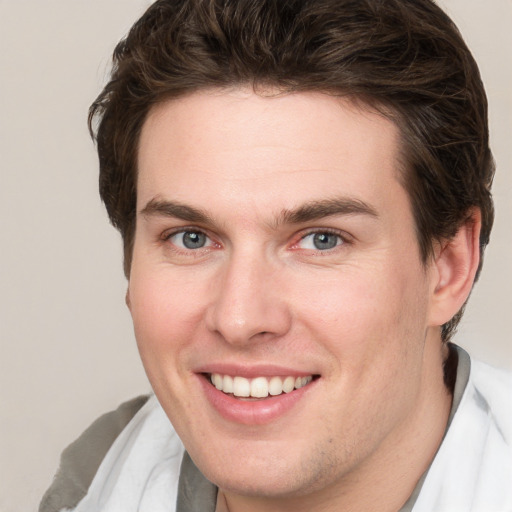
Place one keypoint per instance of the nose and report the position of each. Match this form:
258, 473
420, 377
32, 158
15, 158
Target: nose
248, 304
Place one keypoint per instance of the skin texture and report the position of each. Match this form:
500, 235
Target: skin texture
363, 316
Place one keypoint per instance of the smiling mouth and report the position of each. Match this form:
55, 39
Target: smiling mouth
259, 387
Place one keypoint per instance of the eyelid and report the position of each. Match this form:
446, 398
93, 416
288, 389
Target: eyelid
166, 235
169, 233
345, 238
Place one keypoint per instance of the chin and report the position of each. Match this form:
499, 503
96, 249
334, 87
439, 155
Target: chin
274, 476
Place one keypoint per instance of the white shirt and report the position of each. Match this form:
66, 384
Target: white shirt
471, 472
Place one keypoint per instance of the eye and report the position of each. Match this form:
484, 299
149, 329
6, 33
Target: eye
320, 241
190, 240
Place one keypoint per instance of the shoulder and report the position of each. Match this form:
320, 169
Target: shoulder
472, 468
82, 458
493, 388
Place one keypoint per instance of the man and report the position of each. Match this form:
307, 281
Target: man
303, 191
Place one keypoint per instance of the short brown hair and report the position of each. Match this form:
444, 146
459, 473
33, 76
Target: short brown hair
404, 57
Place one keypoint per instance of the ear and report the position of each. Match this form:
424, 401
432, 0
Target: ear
455, 266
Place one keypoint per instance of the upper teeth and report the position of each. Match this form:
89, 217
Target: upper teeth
260, 387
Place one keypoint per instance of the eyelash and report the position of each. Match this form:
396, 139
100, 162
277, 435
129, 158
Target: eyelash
166, 237
343, 239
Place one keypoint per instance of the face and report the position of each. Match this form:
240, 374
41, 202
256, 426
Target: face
275, 255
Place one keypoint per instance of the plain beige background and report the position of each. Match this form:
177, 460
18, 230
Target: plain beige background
67, 348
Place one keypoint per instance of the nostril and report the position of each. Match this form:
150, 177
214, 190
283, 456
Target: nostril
240, 318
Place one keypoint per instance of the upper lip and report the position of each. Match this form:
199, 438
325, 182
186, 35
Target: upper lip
252, 371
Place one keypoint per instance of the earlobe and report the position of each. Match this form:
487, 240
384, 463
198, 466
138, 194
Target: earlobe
456, 263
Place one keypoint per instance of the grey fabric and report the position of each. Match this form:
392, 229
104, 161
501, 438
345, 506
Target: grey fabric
82, 458
195, 492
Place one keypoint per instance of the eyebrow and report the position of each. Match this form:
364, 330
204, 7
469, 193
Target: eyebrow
177, 210
315, 210
307, 212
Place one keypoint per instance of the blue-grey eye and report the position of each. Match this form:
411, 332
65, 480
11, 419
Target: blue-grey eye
321, 241
194, 240
190, 240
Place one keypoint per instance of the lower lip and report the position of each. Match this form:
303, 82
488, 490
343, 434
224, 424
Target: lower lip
252, 412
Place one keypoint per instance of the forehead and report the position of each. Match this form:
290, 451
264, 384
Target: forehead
293, 147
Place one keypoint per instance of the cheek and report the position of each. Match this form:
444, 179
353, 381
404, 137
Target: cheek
166, 317
166, 313
356, 308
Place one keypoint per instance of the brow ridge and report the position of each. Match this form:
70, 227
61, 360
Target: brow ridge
307, 212
315, 210
175, 209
